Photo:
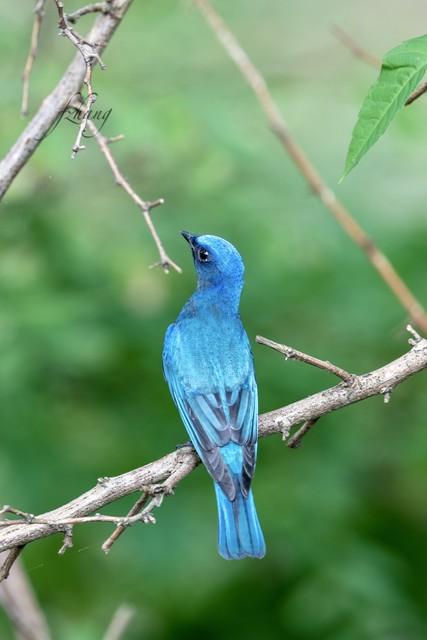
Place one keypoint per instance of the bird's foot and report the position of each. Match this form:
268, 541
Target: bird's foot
183, 446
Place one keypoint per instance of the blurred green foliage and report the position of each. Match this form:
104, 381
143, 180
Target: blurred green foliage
82, 320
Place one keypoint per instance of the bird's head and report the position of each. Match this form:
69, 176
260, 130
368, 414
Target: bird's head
216, 260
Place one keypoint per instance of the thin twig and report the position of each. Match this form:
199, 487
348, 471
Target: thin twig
96, 7
293, 354
368, 57
120, 622
141, 512
37, 23
59, 99
137, 508
165, 474
416, 338
352, 228
420, 91
114, 139
65, 524
8, 562
90, 57
354, 47
295, 440
164, 260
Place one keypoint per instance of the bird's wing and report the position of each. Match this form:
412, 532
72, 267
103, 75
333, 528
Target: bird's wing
216, 419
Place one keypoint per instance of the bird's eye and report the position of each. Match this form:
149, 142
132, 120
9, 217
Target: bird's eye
203, 255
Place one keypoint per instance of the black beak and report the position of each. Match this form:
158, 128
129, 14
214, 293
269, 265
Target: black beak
189, 237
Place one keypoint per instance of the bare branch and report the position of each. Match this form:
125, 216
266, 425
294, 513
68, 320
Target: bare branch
159, 478
378, 382
60, 98
66, 524
368, 57
420, 91
119, 622
295, 440
121, 528
354, 47
164, 260
20, 605
90, 57
416, 338
96, 7
34, 45
293, 354
9, 560
344, 218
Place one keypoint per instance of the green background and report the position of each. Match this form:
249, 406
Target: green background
82, 320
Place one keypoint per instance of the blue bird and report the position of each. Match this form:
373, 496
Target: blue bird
207, 362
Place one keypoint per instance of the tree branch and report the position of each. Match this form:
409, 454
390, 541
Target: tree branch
34, 45
344, 218
78, 73
8, 560
21, 606
91, 57
293, 354
159, 478
96, 7
354, 47
59, 99
121, 527
120, 622
164, 260
295, 440
420, 91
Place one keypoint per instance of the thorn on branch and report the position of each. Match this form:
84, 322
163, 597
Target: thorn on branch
114, 139
286, 429
416, 338
68, 540
386, 392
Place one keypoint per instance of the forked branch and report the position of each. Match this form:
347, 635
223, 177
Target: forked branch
158, 479
90, 56
59, 99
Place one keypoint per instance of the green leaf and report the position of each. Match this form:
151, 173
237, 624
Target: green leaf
402, 69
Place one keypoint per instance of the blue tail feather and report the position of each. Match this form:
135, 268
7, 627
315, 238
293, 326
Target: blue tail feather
239, 531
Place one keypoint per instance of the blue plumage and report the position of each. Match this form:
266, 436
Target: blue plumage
208, 365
